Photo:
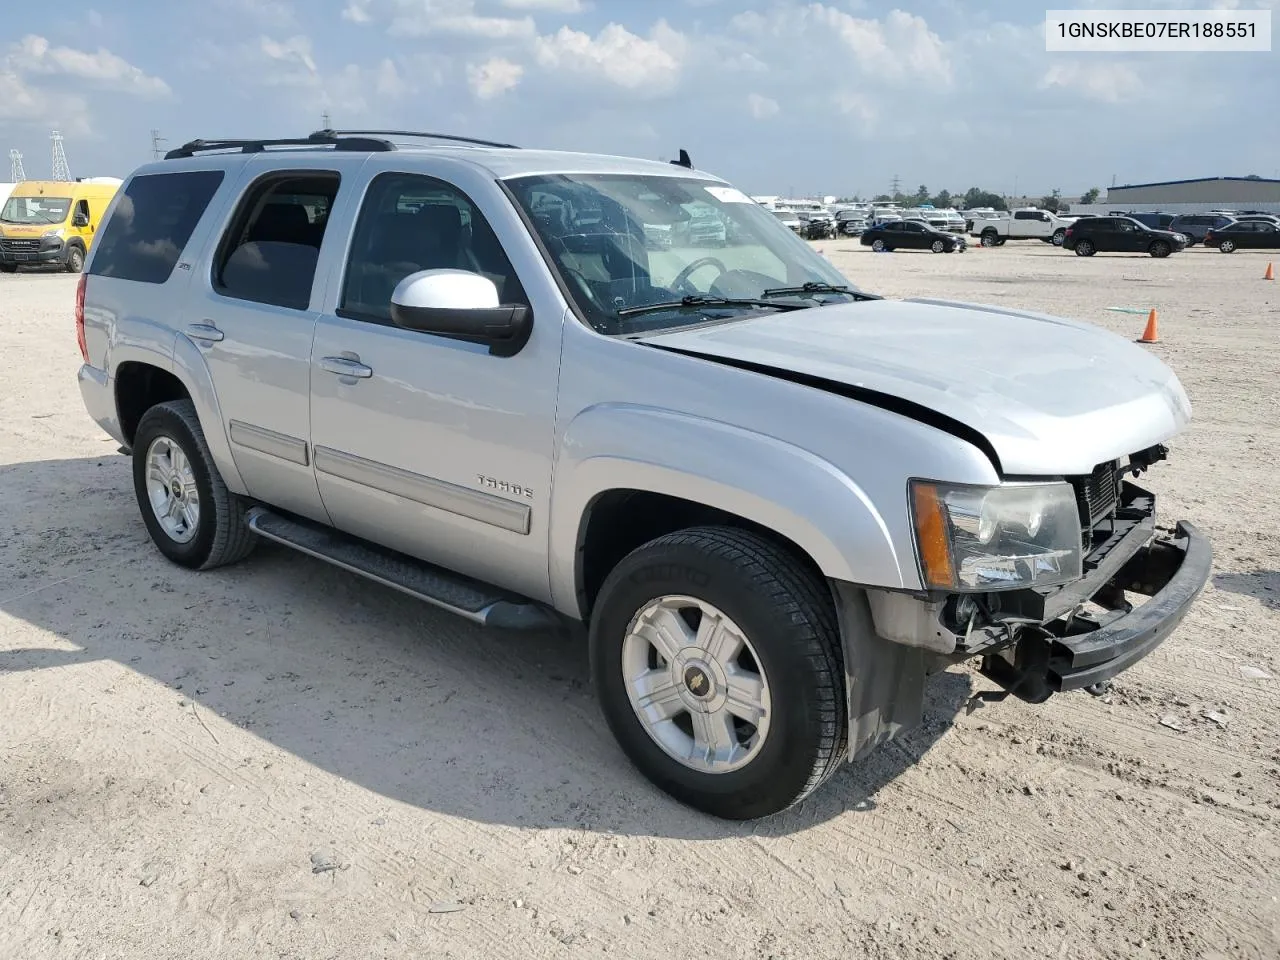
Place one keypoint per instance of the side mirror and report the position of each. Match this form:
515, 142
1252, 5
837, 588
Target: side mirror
461, 305
79, 220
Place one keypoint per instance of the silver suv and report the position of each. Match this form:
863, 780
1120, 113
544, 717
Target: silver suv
776, 501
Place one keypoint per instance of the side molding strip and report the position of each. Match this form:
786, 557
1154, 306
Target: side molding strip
450, 497
269, 442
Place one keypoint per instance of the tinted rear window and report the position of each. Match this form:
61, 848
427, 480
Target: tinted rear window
152, 223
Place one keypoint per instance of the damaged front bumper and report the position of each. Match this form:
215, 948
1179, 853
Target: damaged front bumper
1033, 643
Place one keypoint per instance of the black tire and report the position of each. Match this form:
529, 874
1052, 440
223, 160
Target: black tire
787, 612
877, 245
1160, 249
937, 246
75, 258
222, 533
1227, 246
8, 268
990, 238
1058, 236
1084, 248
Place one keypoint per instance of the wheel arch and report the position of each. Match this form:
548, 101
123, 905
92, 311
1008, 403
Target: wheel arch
670, 469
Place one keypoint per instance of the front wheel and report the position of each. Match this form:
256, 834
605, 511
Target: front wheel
718, 664
192, 517
75, 260
990, 239
1160, 250
937, 246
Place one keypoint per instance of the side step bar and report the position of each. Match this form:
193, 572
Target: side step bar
476, 601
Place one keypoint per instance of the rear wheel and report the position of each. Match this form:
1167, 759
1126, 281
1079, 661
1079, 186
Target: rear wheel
1160, 249
717, 659
1084, 248
192, 517
1058, 236
1227, 246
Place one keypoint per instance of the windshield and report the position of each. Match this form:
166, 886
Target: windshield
609, 271
36, 210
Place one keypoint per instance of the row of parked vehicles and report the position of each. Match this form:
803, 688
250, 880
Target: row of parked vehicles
1151, 233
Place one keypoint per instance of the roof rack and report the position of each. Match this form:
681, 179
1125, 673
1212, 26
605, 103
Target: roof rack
413, 133
319, 138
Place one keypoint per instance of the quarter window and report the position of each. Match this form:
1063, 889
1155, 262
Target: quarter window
269, 253
151, 224
408, 223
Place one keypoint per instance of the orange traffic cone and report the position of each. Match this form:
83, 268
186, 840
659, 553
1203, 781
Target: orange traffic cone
1270, 274
1149, 335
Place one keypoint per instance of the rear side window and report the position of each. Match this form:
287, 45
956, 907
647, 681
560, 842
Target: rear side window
269, 253
152, 223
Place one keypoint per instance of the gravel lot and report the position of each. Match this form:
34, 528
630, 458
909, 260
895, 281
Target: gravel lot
282, 760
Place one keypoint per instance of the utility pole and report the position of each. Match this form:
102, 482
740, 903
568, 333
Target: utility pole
895, 186
61, 170
325, 118
16, 173
156, 140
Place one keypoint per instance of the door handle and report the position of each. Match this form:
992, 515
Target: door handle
204, 331
346, 367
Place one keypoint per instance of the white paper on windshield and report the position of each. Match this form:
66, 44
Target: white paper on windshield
728, 194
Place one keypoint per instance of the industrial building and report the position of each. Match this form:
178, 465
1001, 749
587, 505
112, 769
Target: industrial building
1190, 196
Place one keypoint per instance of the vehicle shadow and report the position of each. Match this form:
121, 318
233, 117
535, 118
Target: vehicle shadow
356, 679
1262, 585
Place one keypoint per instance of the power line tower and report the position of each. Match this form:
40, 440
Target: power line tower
325, 119
895, 187
16, 173
156, 140
61, 171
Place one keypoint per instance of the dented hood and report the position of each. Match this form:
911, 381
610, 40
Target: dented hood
1049, 395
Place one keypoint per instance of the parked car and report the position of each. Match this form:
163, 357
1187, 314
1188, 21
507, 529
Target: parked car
1254, 218
790, 219
658, 236
1028, 223
1196, 225
850, 223
911, 235
1256, 234
818, 226
774, 502
1156, 221
706, 229
1090, 235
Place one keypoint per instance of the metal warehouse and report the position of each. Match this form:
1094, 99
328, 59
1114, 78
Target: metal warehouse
1189, 196
1228, 191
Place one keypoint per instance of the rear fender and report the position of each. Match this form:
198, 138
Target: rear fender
189, 366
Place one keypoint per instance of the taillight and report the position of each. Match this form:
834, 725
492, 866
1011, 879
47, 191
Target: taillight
1068, 233
84, 347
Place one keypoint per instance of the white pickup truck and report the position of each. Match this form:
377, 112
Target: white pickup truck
1028, 223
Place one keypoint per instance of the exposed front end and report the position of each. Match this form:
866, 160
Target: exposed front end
28, 249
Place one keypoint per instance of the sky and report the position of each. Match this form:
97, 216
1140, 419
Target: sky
778, 97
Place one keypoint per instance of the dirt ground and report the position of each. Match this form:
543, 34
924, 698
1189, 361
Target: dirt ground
279, 759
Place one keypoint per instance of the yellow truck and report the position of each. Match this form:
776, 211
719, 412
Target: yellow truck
52, 222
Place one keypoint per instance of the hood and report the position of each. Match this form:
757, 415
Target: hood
1048, 396
28, 230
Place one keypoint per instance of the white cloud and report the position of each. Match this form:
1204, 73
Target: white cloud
617, 55
34, 55
494, 77
1097, 80
356, 13
291, 60
427, 18
761, 107
551, 6
856, 105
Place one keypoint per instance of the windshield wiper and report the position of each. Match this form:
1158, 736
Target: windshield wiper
696, 300
816, 286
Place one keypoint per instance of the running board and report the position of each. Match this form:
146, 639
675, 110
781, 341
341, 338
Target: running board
476, 601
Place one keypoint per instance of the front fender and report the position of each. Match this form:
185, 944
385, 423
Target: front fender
780, 486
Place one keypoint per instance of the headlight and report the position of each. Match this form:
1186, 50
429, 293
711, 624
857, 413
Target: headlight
53, 233
996, 538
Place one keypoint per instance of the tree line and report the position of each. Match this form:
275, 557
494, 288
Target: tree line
971, 198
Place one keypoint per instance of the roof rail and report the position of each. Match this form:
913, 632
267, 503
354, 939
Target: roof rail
320, 138
413, 133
